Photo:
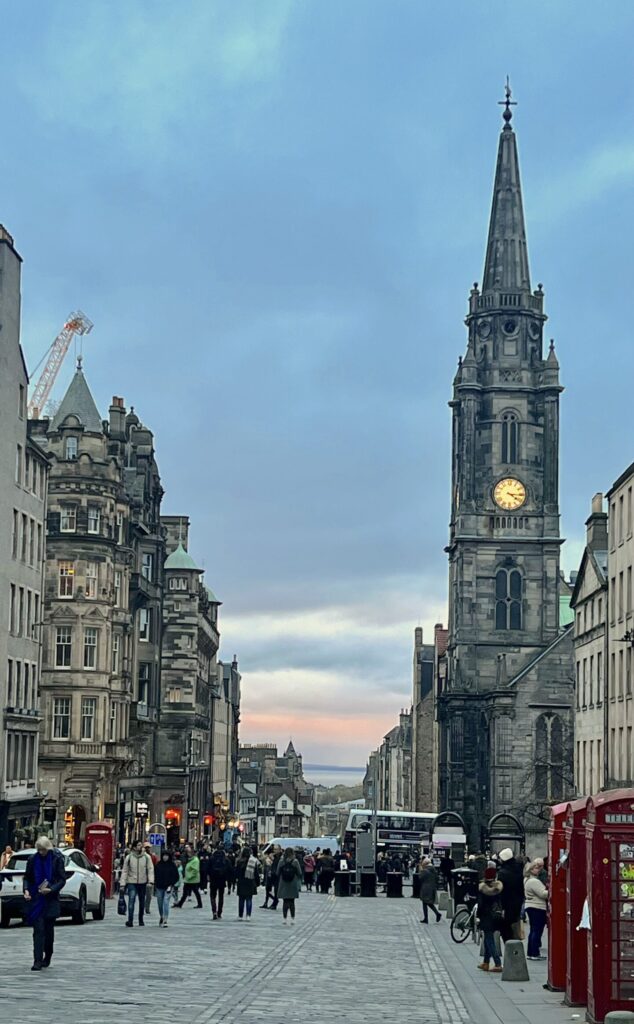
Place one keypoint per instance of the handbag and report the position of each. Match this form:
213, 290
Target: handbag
121, 905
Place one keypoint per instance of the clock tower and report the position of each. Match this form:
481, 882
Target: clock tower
509, 678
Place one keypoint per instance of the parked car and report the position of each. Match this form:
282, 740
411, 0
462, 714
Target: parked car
85, 889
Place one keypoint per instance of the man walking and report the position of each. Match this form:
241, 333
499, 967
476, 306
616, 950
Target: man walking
137, 874
44, 877
512, 895
192, 878
217, 868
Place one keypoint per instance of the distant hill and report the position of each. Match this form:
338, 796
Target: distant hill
337, 794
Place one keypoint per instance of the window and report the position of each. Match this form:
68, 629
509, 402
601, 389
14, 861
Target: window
144, 624
61, 718
90, 647
174, 695
10, 682
71, 448
117, 588
112, 729
116, 641
147, 565
591, 681
31, 541
24, 538
510, 438
284, 804
92, 579
599, 696
94, 519
63, 646
12, 608
120, 530
15, 532
20, 630
18, 465
612, 599
508, 599
621, 519
39, 543
584, 691
628, 605
66, 577
578, 684
18, 684
144, 682
549, 758
620, 691
88, 710
628, 673
68, 519
620, 596
178, 583
21, 401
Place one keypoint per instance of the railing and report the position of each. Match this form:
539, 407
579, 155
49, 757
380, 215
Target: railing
88, 749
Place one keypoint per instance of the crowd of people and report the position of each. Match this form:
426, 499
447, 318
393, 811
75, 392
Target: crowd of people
174, 875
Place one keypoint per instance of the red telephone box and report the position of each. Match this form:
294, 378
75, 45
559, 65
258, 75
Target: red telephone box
610, 878
576, 891
556, 901
99, 849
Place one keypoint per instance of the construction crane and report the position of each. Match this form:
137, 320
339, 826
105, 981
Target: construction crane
76, 324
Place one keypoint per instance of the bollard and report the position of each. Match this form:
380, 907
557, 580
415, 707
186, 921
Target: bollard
619, 1017
450, 910
514, 968
443, 898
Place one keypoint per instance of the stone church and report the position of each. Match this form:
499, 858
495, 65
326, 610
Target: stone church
505, 710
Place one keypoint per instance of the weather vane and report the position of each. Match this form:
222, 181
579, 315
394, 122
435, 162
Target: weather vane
507, 103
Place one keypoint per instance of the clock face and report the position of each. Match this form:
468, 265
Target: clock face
509, 494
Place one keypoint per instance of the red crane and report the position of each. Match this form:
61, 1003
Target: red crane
76, 324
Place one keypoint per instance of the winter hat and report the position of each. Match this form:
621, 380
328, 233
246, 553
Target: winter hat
506, 854
490, 874
492, 864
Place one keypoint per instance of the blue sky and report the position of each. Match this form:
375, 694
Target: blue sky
273, 212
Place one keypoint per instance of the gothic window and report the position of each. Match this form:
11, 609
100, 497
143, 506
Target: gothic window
456, 739
549, 758
503, 739
510, 438
508, 599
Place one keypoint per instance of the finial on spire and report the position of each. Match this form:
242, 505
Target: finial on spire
507, 103
79, 361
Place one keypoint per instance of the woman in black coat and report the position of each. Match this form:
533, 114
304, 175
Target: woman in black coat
44, 877
428, 886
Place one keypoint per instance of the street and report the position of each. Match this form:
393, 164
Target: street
354, 960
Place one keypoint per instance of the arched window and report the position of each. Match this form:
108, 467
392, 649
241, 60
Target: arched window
549, 758
510, 438
508, 599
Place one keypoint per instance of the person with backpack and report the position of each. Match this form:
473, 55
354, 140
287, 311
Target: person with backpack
217, 869
326, 871
309, 871
491, 917
274, 878
290, 884
247, 882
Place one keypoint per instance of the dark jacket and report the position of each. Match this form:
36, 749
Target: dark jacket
218, 867
428, 884
291, 888
165, 874
490, 906
246, 886
57, 882
512, 878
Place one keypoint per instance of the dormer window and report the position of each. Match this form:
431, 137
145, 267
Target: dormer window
71, 448
178, 583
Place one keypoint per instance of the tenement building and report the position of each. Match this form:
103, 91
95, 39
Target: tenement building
23, 483
590, 605
102, 547
424, 773
506, 711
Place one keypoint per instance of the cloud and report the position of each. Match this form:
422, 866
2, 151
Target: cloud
589, 179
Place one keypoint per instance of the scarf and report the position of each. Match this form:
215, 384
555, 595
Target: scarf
252, 863
43, 871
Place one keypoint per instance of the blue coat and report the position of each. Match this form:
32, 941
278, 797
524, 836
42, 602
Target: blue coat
57, 882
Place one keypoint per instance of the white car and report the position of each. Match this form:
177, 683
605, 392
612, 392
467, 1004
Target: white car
85, 889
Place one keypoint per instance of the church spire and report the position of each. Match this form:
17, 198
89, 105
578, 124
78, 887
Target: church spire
506, 261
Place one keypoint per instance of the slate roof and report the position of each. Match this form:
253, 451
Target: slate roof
78, 402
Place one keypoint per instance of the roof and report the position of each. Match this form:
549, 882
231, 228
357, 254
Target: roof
212, 597
78, 401
566, 632
506, 261
181, 559
566, 614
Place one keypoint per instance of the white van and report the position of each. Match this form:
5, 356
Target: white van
310, 845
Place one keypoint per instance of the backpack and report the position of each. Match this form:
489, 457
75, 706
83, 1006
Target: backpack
288, 871
218, 863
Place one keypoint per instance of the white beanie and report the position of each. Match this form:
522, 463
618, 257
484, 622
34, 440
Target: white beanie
506, 854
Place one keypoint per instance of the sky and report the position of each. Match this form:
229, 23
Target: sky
273, 212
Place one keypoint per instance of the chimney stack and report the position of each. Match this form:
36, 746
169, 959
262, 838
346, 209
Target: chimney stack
597, 525
117, 419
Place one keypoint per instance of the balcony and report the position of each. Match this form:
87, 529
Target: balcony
88, 750
142, 590
23, 715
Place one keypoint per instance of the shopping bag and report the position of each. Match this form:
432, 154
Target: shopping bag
121, 906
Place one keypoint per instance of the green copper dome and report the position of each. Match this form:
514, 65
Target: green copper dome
181, 559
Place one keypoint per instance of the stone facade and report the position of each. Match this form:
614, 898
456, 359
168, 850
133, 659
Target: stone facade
392, 763
590, 605
275, 799
619, 713
505, 713
424, 722
23, 486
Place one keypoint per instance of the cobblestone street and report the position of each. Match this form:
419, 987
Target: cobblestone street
348, 960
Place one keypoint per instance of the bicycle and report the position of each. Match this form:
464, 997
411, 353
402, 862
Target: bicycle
464, 923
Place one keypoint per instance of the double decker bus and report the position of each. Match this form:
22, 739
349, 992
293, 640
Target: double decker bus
395, 830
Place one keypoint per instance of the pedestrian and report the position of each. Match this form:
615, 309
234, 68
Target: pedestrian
428, 886
290, 884
247, 882
137, 874
217, 869
231, 870
309, 871
165, 878
149, 892
447, 864
491, 917
274, 878
536, 896
177, 888
5, 856
192, 879
510, 874
43, 879
326, 872
204, 857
